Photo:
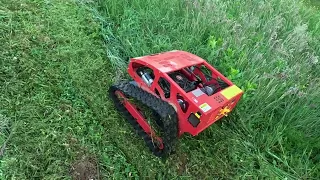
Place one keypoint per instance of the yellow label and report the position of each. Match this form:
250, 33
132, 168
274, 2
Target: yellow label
231, 92
205, 107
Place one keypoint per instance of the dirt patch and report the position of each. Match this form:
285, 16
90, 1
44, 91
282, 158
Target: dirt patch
182, 163
85, 169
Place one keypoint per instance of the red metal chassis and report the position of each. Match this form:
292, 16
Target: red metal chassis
167, 62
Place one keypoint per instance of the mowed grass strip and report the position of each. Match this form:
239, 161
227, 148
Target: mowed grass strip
54, 76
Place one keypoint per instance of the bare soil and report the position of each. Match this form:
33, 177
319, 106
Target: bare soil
85, 169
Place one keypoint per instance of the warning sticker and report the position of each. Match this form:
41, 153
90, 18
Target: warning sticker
205, 107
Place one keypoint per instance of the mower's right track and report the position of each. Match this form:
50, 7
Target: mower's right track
165, 113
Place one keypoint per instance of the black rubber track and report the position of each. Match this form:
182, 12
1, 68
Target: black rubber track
164, 111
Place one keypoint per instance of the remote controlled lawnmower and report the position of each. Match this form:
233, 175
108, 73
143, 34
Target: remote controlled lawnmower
173, 93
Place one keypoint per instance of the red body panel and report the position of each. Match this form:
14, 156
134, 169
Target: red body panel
170, 61
210, 107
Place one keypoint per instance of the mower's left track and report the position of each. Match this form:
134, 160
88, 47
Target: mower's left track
123, 93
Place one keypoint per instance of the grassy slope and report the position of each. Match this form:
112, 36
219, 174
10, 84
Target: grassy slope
54, 77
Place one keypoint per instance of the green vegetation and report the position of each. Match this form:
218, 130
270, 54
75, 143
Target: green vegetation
58, 59
315, 3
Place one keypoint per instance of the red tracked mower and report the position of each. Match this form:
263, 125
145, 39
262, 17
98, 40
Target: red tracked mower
173, 93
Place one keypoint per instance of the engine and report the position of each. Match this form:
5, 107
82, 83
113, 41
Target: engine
183, 81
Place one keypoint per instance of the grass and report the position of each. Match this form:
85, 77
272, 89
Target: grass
58, 59
314, 3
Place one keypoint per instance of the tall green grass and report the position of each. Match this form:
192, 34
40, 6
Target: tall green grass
270, 49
